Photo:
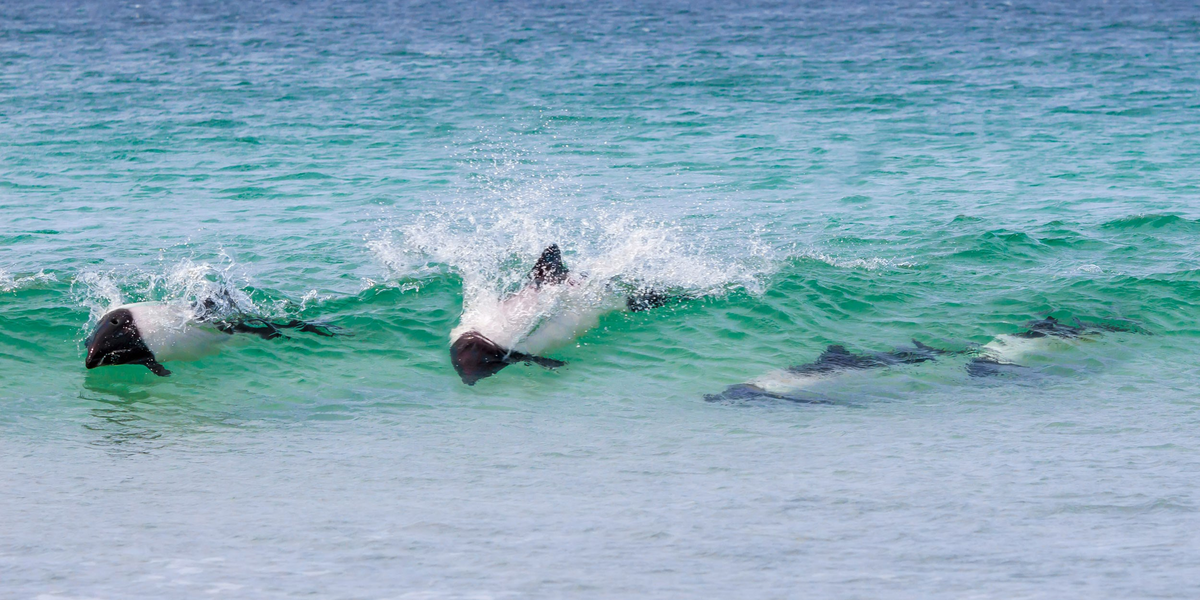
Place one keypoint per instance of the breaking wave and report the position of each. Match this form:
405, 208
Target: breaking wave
491, 237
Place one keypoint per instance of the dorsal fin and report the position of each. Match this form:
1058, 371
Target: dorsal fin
549, 267
928, 348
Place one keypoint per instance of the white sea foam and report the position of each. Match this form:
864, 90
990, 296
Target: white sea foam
491, 242
10, 283
186, 281
871, 263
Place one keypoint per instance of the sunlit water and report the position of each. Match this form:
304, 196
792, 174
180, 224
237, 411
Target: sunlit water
842, 173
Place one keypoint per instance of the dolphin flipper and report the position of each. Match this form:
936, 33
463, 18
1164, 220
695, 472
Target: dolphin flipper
549, 363
306, 327
155, 367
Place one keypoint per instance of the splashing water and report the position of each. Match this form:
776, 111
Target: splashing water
819, 173
215, 288
491, 243
9, 283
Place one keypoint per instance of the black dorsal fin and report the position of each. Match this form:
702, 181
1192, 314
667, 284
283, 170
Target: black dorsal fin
549, 267
928, 348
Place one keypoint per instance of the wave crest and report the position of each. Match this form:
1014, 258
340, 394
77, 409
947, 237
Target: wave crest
11, 283
219, 288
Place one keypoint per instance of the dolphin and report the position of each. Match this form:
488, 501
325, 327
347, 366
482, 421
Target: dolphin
150, 333
475, 356
998, 357
1001, 355
789, 384
553, 307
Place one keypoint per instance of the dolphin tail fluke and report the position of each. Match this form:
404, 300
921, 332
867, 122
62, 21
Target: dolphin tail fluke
1129, 327
549, 267
306, 327
269, 331
257, 327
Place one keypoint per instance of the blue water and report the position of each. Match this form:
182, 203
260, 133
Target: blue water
852, 173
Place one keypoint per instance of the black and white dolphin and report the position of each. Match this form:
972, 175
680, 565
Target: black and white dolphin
151, 333
1001, 356
1004, 354
553, 308
791, 383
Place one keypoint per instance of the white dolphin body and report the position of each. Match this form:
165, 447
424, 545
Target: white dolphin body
1008, 348
150, 333
537, 318
174, 332
551, 310
784, 382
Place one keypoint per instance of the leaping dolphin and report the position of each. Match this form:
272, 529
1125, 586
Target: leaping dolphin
553, 307
151, 333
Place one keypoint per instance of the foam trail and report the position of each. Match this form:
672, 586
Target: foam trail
491, 244
186, 282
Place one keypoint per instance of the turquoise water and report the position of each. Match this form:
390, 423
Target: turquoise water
840, 173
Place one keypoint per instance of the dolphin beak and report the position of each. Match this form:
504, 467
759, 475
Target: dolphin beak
94, 358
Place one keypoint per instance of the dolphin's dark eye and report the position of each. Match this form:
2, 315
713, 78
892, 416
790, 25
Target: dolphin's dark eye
114, 321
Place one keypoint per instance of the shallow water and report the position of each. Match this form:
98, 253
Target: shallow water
839, 173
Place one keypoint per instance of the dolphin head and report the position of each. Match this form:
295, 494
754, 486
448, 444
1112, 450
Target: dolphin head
475, 357
117, 341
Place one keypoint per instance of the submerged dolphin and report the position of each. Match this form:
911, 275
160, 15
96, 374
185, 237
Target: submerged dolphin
999, 356
552, 308
789, 383
150, 333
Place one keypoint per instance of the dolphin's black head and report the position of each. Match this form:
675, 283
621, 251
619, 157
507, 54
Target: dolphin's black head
475, 357
117, 341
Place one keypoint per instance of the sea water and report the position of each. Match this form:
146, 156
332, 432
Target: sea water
799, 174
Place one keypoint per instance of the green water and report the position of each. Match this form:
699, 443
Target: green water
860, 174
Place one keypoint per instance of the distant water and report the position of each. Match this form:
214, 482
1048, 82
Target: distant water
855, 173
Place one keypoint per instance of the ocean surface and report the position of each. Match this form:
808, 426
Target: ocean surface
798, 174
